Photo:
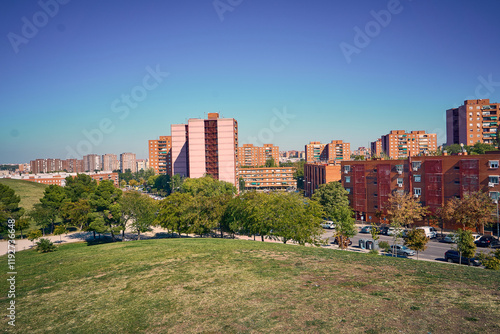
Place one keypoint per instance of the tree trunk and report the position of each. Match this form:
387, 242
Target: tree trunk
112, 236
138, 235
262, 238
94, 234
123, 234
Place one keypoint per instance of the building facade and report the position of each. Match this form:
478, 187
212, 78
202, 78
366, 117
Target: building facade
376, 148
92, 162
255, 156
160, 155
206, 146
268, 178
128, 161
399, 144
59, 179
433, 180
476, 121
316, 174
110, 162
333, 152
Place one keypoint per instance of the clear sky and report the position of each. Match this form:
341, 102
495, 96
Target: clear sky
290, 72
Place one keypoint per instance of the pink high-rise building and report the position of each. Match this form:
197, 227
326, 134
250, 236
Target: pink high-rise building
206, 146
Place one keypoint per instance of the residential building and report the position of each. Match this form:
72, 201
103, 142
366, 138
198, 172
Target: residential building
60, 178
141, 164
332, 152
364, 152
376, 148
91, 162
72, 166
476, 121
249, 155
433, 180
110, 162
268, 178
399, 144
160, 155
316, 174
206, 146
38, 166
127, 161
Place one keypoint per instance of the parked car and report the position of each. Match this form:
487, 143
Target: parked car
453, 256
450, 238
366, 229
384, 229
328, 225
430, 231
476, 237
392, 231
402, 250
487, 241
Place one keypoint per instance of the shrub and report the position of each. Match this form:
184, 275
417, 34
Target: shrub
34, 234
384, 245
490, 261
373, 251
45, 246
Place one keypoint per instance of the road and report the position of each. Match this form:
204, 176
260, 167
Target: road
434, 252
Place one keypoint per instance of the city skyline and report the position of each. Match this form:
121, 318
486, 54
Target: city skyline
97, 78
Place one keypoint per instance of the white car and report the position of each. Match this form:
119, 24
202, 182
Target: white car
328, 225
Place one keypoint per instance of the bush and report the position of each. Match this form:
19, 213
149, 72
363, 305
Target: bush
384, 245
490, 261
45, 246
34, 234
373, 252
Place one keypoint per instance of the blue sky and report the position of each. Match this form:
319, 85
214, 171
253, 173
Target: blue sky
249, 60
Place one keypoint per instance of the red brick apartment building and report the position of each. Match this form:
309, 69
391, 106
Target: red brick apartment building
432, 179
160, 155
316, 174
268, 178
59, 179
376, 148
332, 152
249, 155
476, 121
401, 144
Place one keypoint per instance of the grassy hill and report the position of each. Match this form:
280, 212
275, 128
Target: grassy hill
230, 286
30, 192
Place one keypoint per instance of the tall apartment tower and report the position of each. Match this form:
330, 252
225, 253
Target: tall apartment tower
376, 147
400, 144
127, 161
249, 155
476, 121
333, 152
110, 162
91, 162
206, 146
160, 155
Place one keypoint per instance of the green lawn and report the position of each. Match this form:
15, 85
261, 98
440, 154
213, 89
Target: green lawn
30, 192
232, 286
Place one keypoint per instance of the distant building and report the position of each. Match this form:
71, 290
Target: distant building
333, 152
110, 162
127, 161
363, 152
160, 155
59, 178
316, 174
206, 146
141, 164
249, 155
376, 148
73, 166
476, 121
268, 178
91, 162
399, 144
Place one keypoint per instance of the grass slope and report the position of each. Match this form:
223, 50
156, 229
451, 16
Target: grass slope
30, 192
232, 286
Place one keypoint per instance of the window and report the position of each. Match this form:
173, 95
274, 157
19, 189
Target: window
348, 190
493, 179
375, 195
493, 163
348, 179
470, 107
347, 169
416, 165
399, 168
494, 195
400, 180
417, 178
417, 191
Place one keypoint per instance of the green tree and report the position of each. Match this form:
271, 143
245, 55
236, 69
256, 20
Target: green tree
241, 183
482, 148
345, 226
77, 213
34, 234
174, 213
333, 198
79, 187
163, 184
271, 163
21, 224
123, 183
374, 231
105, 201
9, 206
42, 216
417, 240
60, 230
490, 261
53, 200
133, 183
139, 210
207, 186
465, 244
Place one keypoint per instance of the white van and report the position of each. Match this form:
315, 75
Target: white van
429, 231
